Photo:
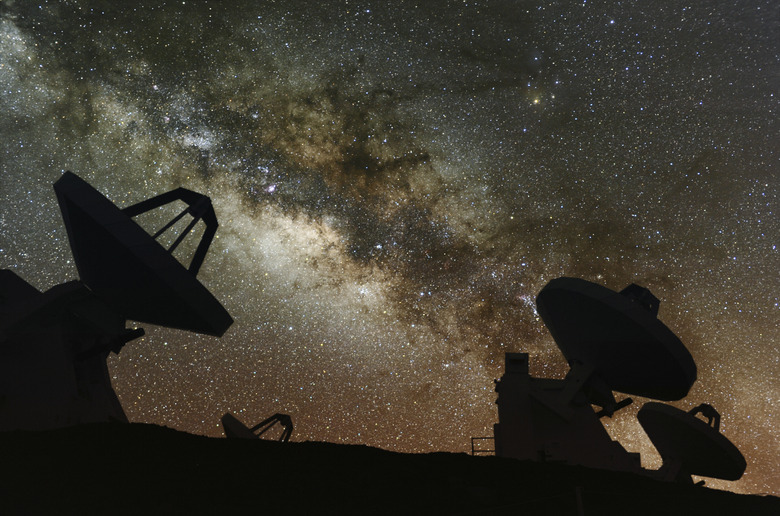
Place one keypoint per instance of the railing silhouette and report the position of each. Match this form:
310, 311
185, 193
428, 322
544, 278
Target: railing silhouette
476, 450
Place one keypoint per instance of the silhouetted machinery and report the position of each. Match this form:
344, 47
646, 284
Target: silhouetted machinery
612, 341
690, 446
235, 429
54, 345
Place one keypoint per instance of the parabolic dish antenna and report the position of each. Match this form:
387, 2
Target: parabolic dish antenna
129, 270
618, 336
235, 429
693, 445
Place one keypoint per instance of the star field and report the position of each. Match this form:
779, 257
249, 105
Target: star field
395, 182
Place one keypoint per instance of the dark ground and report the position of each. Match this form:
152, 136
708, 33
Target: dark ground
146, 469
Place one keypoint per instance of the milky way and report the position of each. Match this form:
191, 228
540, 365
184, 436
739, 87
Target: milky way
396, 182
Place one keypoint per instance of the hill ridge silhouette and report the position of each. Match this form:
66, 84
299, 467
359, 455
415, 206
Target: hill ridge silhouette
144, 468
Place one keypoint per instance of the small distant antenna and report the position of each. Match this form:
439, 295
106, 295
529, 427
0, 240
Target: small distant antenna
235, 429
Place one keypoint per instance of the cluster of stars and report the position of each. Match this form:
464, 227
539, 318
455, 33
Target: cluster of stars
395, 182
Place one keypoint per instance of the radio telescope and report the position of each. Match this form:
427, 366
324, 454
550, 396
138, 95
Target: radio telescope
613, 342
54, 344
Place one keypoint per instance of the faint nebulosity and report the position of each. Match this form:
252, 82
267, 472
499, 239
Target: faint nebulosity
395, 182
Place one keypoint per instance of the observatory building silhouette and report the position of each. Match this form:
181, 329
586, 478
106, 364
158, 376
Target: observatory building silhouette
54, 344
613, 342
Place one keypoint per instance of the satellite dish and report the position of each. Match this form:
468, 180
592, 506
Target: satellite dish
618, 337
235, 429
129, 270
689, 445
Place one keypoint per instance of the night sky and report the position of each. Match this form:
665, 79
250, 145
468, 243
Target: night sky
396, 181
